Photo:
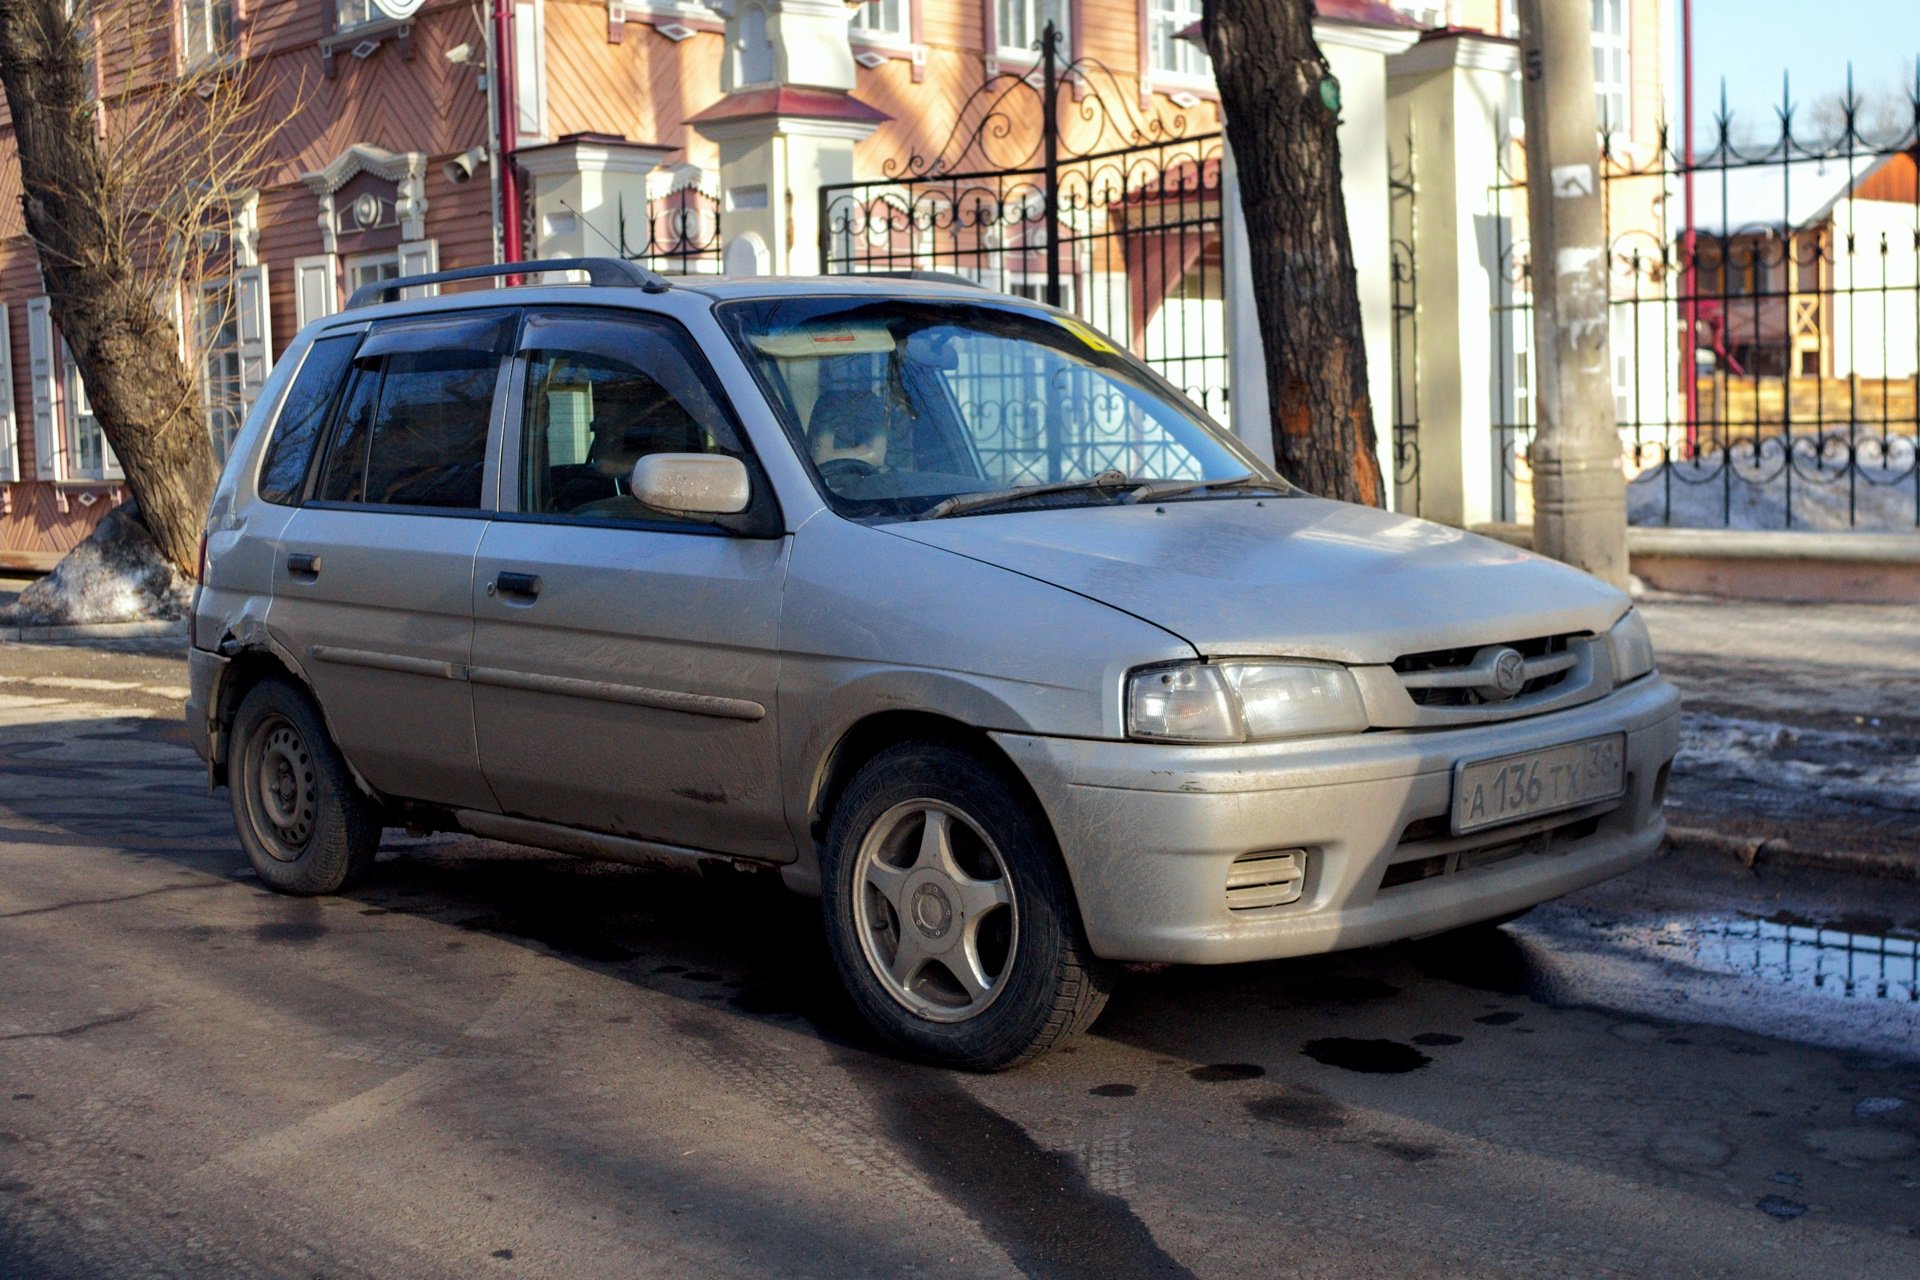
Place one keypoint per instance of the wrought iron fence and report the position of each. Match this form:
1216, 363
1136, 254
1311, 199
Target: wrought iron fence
1403, 213
683, 234
1767, 362
1052, 187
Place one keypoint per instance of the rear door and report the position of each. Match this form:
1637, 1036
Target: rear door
625, 660
374, 581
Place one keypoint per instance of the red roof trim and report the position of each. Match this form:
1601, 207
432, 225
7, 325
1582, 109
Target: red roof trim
790, 100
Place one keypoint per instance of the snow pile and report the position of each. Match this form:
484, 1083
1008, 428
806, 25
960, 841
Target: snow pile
1747, 488
116, 575
1809, 764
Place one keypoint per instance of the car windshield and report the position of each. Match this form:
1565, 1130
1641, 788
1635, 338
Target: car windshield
927, 408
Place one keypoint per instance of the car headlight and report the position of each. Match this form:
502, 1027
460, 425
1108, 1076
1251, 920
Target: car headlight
1631, 647
1241, 701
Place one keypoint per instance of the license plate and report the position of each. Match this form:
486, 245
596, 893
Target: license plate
1487, 793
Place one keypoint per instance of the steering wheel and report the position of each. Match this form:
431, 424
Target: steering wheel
845, 468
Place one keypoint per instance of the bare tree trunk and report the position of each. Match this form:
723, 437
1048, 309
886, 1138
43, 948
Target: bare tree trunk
1282, 110
127, 348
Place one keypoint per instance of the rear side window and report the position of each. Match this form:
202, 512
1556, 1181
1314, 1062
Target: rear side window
413, 431
283, 473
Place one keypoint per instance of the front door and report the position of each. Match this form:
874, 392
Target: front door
373, 589
625, 660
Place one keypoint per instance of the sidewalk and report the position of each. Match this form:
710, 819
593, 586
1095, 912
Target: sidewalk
1802, 734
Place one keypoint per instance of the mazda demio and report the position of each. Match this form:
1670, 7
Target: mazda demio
937, 601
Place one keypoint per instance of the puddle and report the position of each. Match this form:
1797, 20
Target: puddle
1859, 966
1370, 1057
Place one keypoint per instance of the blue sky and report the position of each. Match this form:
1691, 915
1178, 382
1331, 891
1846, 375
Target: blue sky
1750, 42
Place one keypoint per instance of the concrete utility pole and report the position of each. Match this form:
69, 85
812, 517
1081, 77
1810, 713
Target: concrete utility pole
1579, 490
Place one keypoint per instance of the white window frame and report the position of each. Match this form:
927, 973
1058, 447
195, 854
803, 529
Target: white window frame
10, 472
530, 68
77, 421
1034, 13
350, 15
215, 23
866, 27
228, 403
1612, 102
1612, 96
1171, 17
379, 258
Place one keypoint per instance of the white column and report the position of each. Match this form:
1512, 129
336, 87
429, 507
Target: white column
786, 127
1450, 95
1357, 54
1246, 360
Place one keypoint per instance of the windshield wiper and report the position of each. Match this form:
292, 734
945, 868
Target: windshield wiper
1155, 490
960, 503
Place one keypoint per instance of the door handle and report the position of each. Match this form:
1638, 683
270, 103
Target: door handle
524, 585
303, 564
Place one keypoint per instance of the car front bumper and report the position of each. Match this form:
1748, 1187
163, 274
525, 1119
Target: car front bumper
1149, 831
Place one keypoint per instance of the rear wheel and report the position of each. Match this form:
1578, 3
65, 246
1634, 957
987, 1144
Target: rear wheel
304, 824
949, 914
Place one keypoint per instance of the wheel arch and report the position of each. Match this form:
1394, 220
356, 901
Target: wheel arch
252, 659
876, 732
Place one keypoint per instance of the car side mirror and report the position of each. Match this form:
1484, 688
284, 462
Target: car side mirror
694, 484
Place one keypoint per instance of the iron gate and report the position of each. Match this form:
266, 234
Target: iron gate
1086, 204
1767, 366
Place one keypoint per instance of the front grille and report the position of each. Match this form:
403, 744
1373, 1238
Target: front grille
1456, 677
1415, 862
1269, 878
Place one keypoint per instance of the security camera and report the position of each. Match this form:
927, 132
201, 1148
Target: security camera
461, 168
460, 54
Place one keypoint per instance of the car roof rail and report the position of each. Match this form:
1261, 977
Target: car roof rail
601, 272
930, 277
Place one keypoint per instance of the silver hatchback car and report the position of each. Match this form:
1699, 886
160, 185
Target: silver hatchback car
934, 599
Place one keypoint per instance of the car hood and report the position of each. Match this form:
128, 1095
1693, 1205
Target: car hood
1300, 576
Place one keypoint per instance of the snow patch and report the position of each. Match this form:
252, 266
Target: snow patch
1753, 487
1858, 768
117, 574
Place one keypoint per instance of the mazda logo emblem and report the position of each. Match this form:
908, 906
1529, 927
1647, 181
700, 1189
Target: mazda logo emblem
1509, 673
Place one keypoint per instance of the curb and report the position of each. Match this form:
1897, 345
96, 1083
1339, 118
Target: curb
1751, 852
95, 631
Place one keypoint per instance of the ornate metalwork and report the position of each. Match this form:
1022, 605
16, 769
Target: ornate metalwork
1793, 401
1052, 186
683, 235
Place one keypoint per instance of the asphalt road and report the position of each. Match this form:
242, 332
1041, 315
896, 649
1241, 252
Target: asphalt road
494, 1062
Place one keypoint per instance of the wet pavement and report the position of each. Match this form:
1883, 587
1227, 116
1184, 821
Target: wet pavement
1802, 722
495, 1061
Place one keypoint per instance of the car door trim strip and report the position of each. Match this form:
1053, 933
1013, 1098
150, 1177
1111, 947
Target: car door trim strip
698, 704
387, 661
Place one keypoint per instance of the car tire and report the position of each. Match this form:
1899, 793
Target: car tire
305, 824
949, 913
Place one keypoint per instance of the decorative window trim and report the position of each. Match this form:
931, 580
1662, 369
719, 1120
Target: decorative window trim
407, 171
362, 40
873, 49
676, 20
232, 54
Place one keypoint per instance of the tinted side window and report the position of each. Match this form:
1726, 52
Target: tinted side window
413, 431
283, 473
590, 416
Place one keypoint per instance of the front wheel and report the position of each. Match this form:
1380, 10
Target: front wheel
304, 824
949, 915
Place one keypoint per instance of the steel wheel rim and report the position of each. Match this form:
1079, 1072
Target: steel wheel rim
281, 795
935, 910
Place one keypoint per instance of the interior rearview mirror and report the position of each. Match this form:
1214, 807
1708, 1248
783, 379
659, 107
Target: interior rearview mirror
703, 484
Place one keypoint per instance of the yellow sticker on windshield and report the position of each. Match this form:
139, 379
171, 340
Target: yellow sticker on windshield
1089, 335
